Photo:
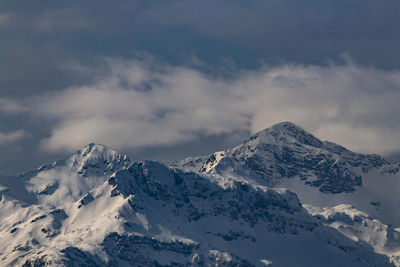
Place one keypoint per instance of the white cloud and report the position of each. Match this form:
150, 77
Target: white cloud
139, 103
12, 136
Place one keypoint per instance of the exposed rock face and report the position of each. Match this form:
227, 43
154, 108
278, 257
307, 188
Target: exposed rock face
195, 196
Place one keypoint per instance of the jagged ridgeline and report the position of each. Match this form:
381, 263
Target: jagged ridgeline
98, 208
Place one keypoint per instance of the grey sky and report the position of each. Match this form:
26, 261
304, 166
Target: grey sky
207, 74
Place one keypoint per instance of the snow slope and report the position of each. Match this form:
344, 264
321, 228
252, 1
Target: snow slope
258, 204
322, 174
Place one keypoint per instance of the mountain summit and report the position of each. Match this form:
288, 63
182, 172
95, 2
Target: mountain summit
67, 178
284, 151
288, 132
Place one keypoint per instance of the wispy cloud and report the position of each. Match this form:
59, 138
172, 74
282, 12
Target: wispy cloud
10, 106
12, 136
140, 103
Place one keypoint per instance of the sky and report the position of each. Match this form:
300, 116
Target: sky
167, 79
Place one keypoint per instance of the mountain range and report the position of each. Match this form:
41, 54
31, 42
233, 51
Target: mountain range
281, 198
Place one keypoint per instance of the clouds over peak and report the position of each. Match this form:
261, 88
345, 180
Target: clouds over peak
139, 104
134, 103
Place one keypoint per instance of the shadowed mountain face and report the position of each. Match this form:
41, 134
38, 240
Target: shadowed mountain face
97, 208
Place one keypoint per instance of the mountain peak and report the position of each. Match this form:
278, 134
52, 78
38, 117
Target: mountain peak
286, 125
93, 150
69, 178
285, 150
287, 132
95, 155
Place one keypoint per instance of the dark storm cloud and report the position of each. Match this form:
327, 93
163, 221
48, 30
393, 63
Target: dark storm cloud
50, 49
308, 31
38, 37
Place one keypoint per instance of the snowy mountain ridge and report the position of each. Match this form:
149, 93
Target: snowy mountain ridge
97, 208
284, 151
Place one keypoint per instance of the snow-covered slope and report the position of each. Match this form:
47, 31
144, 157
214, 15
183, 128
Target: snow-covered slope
358, 226
97, 208
40, 196
65, 180
322, 174
149, 214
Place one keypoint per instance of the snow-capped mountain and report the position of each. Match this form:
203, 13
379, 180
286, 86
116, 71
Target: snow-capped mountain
65, 180
282, 198
285, 151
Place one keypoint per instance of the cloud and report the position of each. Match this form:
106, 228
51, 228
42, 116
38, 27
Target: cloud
12, 136
10, 106
40, 39
142, 103
136, 105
